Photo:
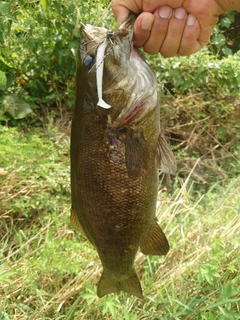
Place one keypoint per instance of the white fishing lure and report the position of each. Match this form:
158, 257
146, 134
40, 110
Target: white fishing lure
99, 74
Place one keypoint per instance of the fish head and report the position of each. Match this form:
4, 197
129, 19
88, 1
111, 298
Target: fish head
123, 84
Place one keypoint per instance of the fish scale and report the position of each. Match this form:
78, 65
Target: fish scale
116, 154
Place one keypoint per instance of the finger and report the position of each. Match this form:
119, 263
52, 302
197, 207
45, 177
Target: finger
159, 29
142, 28
120, 12
207, 15
173, 38
189, 43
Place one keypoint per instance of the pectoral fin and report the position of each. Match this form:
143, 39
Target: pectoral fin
156, 242
165, 158
130, 285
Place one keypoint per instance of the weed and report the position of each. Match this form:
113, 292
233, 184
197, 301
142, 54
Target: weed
49, 272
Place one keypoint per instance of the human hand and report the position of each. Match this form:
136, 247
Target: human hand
170, 27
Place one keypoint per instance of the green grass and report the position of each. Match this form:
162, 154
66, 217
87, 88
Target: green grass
47, 271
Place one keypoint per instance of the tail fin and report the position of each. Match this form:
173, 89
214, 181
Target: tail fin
130, 285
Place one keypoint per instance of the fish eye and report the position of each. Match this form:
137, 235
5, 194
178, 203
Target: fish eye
88, 61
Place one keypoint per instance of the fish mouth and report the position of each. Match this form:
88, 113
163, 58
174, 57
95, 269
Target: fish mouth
106, 45
94, 36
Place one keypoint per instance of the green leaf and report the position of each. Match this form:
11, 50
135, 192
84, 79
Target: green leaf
5, 276
230, 291
4, 7
220, 303
17, 108
45, 4
219, 40
227, 51
3, 79
225, 22
4, 315
222, 133
6, 63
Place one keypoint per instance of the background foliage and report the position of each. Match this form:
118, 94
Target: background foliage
37, 56
39, 44
47, 271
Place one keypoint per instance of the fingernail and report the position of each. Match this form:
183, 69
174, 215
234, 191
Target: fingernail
146, 23
179, 13
165, 12
191, 19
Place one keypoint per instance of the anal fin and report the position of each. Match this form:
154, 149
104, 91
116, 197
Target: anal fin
130, 285
155, 243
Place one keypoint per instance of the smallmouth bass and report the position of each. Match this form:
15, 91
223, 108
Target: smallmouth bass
117, 149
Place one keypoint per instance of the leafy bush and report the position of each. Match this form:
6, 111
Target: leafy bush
225, 37
199, 73
40, 41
